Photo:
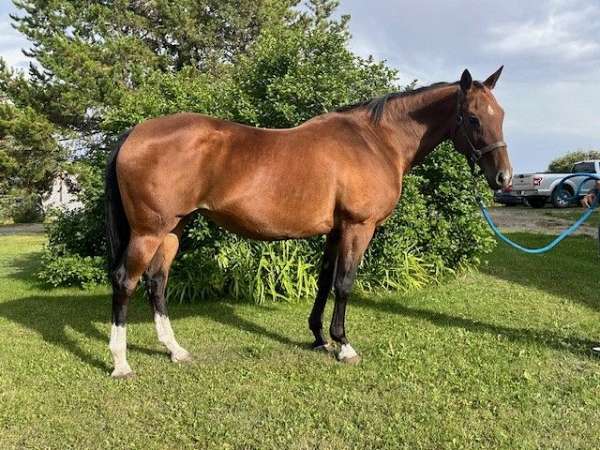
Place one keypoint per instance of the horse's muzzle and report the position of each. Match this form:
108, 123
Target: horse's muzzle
504, 179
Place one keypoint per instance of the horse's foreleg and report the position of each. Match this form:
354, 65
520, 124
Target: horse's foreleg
325, 283
124, 281
354, 241
156, 278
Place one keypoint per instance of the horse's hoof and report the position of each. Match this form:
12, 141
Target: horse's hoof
122, 375
347, 355
182, 358
353, 360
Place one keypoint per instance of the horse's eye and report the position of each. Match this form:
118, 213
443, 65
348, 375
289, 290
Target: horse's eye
474, 121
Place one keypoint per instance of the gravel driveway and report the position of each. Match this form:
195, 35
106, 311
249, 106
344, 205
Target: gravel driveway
534, 220
22, 228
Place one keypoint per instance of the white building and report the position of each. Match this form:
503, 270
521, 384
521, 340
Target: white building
62, 193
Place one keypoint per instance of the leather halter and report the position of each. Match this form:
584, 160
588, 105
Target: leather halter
475, 154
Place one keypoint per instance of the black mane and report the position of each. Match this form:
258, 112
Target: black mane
376, 105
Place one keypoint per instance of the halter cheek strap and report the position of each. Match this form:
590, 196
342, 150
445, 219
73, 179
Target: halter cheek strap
475, 153
489, 148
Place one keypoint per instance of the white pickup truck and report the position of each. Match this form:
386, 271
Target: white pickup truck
537, 189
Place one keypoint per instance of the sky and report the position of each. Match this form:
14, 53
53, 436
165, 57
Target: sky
550, 87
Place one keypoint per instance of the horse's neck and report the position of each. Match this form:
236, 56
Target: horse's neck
417, 124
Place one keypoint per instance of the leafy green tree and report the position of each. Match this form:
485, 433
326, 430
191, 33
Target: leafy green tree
303, 68
299, 67
564, 164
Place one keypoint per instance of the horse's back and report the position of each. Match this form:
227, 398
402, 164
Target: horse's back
259, 182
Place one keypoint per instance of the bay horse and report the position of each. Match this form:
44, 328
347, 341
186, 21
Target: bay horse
338, 174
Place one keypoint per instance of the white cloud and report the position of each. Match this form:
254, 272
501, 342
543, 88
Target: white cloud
569, 31
11, 43
557, 107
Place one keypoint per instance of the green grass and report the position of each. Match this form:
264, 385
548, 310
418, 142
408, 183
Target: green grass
496, 359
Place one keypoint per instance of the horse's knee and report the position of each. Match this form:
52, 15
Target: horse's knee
123, 285
343, 285
123, 289
155, 285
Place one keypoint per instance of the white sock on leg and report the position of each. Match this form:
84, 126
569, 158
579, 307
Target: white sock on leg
167, 338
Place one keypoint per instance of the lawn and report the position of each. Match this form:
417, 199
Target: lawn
494, 359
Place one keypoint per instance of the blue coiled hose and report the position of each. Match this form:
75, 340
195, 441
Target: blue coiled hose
546, 248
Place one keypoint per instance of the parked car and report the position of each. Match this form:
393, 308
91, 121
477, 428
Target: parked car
537, 189
508, 197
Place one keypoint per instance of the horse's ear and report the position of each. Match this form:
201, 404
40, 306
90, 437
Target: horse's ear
490, 83
466, 80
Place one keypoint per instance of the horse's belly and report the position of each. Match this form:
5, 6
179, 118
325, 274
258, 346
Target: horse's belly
263, 223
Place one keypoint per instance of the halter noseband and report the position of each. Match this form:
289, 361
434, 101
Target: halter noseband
475, 154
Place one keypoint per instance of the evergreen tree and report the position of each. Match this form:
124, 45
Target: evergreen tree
90, 53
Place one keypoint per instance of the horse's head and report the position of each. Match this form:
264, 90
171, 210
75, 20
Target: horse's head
478, 133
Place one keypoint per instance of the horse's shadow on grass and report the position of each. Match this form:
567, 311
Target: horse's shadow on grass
548, 339
52, 316
570, 271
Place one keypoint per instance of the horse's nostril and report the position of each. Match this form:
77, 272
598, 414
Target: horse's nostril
500, 178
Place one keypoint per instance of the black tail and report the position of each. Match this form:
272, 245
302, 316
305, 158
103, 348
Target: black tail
117, 227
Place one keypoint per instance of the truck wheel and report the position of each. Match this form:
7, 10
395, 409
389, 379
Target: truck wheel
536, 202
561, 198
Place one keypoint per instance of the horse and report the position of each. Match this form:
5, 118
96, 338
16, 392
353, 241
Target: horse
339, 174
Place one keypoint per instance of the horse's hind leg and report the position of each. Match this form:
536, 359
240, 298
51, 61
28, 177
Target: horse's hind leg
125, 278
325, 283
354, 241
156, 278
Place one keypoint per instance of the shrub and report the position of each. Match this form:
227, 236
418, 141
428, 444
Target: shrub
76, 249
72, 270
222, 264
459, 236
77, 232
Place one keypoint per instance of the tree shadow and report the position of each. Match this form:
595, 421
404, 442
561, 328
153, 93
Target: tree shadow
569, 271
52, 316
26, 266
548, 339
